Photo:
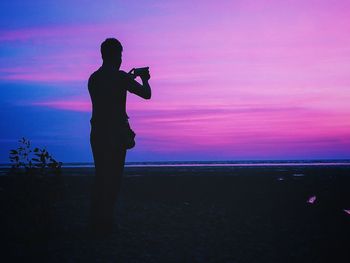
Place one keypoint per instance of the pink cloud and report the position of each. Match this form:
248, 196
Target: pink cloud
229, 129
80, 106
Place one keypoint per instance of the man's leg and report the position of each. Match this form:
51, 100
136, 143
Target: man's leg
109, 165
113, 186
97, 196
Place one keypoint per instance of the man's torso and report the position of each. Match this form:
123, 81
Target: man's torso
107, 90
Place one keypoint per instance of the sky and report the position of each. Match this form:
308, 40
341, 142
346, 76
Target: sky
231, 80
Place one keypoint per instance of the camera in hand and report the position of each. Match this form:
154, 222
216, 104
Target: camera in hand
139, 72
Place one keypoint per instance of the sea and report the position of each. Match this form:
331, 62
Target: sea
222, 163
4, 167
345, 162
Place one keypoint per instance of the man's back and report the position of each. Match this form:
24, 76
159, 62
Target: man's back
107, 88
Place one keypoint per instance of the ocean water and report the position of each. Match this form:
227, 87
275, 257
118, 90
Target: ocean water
214, 163
224, 163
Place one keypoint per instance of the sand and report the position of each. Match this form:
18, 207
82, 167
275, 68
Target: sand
195, 214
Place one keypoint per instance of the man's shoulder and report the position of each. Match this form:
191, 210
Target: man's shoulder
99, 75
100, 72
95, 74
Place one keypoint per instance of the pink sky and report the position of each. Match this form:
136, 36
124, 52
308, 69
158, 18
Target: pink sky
236, 79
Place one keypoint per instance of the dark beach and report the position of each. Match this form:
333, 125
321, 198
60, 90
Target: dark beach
187, 214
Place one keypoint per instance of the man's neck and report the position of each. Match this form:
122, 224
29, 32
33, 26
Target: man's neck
110, 66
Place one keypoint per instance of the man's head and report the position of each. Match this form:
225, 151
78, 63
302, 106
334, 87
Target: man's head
111, 51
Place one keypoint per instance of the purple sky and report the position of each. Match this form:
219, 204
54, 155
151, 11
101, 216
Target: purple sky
231, 79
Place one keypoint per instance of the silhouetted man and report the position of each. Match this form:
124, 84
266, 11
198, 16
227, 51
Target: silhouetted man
108, 88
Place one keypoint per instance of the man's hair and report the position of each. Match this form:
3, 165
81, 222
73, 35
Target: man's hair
110, 48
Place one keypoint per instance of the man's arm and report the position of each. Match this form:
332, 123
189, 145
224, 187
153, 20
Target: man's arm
143, 90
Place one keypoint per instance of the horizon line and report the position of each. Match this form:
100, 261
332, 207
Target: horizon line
216, 161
